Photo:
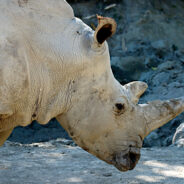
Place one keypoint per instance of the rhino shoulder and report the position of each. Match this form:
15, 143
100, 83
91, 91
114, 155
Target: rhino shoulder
59, 7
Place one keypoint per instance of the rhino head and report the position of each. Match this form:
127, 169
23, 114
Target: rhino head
102, 116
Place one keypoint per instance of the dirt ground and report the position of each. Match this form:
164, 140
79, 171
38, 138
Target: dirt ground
55, 163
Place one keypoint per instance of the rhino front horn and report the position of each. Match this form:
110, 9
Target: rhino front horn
105, 29
157, 113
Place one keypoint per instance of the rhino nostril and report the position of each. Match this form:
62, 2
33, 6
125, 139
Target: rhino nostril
133, 157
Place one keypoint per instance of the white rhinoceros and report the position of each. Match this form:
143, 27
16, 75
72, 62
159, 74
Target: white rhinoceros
54, 65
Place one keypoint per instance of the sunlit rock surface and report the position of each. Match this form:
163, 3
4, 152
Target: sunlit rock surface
178, 138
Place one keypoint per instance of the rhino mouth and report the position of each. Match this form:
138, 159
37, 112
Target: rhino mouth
126, 161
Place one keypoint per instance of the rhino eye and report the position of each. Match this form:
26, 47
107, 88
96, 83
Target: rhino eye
119, 106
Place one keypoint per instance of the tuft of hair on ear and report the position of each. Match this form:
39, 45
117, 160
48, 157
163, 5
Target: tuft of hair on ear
105, 29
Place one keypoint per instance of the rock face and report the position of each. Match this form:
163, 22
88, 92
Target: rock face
38, 133
178, 138
148, 46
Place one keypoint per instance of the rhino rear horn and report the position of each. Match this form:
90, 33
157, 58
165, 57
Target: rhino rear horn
105, 29
135, 89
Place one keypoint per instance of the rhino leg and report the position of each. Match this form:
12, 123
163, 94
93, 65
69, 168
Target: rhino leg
4, 135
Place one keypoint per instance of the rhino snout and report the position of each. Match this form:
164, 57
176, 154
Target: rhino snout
126, 161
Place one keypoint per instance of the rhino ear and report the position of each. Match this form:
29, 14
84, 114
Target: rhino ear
135, 90
105, 29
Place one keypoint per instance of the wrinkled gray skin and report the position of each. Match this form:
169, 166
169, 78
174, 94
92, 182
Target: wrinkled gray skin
54, 65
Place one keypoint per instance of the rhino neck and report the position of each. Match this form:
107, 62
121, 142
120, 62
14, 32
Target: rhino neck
50, 91
52, 73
